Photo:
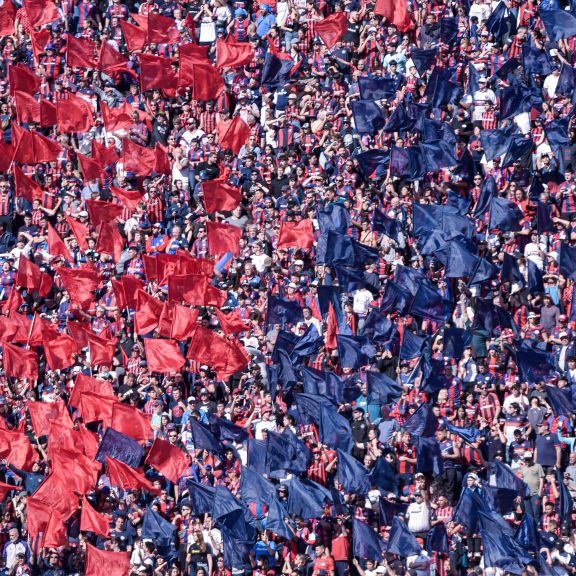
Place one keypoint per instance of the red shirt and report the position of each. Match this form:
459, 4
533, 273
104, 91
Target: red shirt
325, 563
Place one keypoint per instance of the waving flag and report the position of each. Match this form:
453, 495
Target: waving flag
332, 29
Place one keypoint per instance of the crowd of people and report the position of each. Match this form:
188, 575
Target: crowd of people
287, 288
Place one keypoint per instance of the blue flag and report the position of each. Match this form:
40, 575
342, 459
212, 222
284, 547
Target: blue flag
567, 261
455, 341
284, 452
275, 71
368, 116
422, 422
509, 66
535, 278
385, 225
276, 520
401, 541
201, 497
544, 223
430, 305
510, 271
335, 430
533, 365
203, 438
505, 215
501, 551
527, 534
423, 59
334, 217
350, 279
381, 388
236, 552
399, 121
307, 345
120, 447
502, 476
374, 163
437, 540
492, 318
535, 61
354, 351
223, 429
429, 456
467, 434
561, 400
449, 30
382, 475
377, 88
322, 383
395, 299
157, 529
353, 476
309, 407
367, 544
256, 450
379, 328
500, 499
488, 191
565, 500
254, 488
282, 311
559, 24
441, 92
388, 510
500, 22
412, 345
566, 82
307, 498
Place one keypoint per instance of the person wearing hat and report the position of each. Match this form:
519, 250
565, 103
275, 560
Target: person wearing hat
265, 20
532, 474
482, 96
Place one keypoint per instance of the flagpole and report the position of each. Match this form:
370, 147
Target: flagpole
30, 332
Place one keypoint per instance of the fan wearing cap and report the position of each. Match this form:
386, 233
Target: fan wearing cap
481, 97
157, 242
561, 330
533, 329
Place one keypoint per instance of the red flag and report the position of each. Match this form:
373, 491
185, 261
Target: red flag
92, 521
39, 41
79, 332
233, 322
116, 118
231, 54
125, 477
56, 532
22, 78
102, 563
134, 37
32, 278
219, 196
20, 363
166, 266
79, 230
56, 245
129, 198
58, 496
168, 459
5, 489
331, 29
6, 155
80, 52
33, 148
75, 114
100, 211
296, 234
90, 442
48, 113
80, 283
45, 150
7, 16
59, 352
223, 238
207, 83
194, 54
113, 62
16, 448
177, 322
71, 467
162, 163
159, 29
157, 72
191, 265
91, 170
132, 422
42, 413
396, 12
110, 240
163, 355
137, 159
331, 329
38, 515
130, 286
15, 300
225, 356
95, 407
41, 12
105, 156
101, 350
233, 134
27, 107
194, 289
85, 383
148, 311
26, 187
